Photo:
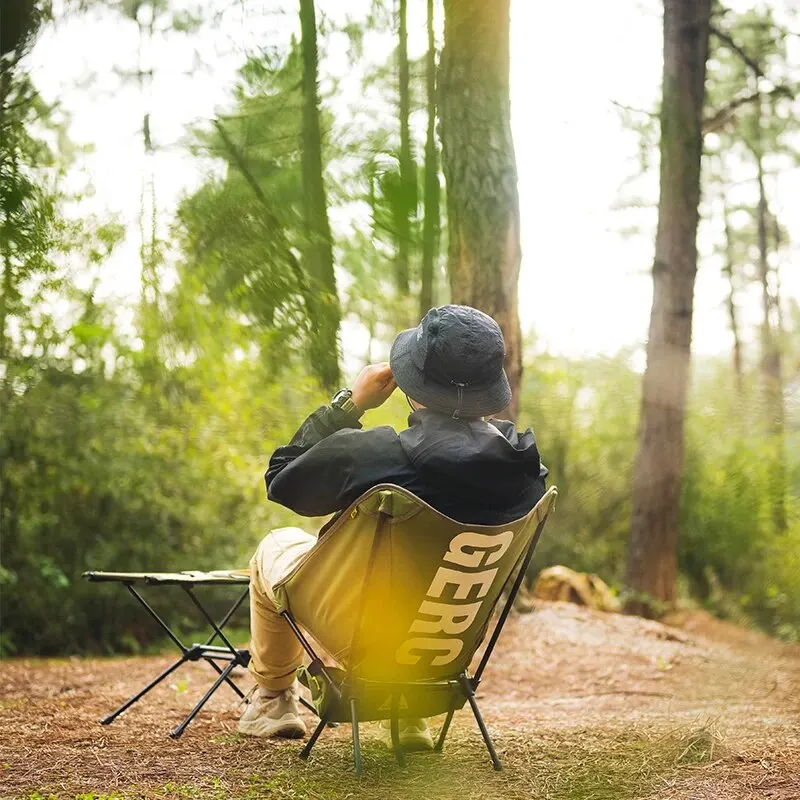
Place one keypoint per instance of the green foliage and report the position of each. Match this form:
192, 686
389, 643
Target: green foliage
730, 554
584, 414
109, 473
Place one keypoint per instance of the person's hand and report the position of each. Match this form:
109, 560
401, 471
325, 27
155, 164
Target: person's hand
373, 386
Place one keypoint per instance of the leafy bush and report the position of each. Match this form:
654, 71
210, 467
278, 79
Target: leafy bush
731, 556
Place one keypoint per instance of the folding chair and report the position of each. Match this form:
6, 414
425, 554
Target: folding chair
401, 597
205, 651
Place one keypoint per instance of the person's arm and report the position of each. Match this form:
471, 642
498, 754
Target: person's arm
316, 427
334, 472
310, 478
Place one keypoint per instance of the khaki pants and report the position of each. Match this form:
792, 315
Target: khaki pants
275, 653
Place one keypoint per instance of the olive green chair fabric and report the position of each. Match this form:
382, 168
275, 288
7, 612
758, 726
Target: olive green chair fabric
400, 597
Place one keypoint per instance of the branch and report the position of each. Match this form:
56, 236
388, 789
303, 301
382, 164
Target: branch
272, 220
721, 117
749, 60
622, 107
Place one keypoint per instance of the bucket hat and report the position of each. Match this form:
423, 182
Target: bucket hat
453, 362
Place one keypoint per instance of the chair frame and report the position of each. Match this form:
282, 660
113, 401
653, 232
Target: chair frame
464, 682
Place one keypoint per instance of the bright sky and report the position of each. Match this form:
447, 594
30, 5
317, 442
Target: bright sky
585, 288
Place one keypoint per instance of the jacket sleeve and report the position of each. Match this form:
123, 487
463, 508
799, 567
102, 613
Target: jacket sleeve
329, 462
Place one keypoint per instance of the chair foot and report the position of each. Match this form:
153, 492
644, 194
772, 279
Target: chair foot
306, 751
468, 691
443, 733
395, 728
356, 739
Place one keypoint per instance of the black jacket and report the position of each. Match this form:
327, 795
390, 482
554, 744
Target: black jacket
484, 473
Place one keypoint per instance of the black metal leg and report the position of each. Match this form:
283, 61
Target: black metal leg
309, 706
128, 703
224, 621
210, 620
356, 740
465, 685
151, 611
230, 683
315, 659
395, 727
306, 751
205, 698
443, 733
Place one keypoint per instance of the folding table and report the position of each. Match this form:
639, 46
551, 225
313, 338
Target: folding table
206, 651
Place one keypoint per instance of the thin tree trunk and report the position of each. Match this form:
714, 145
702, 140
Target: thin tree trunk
480, 169
652, 552
318, 255
728, 271
408, 179
770, 351
5, 152
430, 229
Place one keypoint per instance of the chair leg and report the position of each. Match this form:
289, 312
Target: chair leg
356, 740
443, 732
395, 727
465, 685
306, 751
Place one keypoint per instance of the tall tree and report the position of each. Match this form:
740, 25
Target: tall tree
729, 271
771, 371
408, 178
480, 169
652, 547
751, 64
430, 225
27, 205
318, 254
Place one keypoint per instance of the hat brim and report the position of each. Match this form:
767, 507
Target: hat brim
477, 401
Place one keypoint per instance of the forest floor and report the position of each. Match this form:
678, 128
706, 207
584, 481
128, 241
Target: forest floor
583, 706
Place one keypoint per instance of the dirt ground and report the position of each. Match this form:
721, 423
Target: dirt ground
582, 705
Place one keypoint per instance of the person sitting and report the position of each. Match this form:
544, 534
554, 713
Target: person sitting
471, 468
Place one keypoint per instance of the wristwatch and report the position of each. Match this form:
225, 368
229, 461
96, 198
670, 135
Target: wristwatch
343, 400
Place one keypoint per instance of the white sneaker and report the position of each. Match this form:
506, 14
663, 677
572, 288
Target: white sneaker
415, 735
272, 715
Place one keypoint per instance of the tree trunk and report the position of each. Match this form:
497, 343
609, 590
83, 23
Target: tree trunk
728, 271
430, 228
652, 552
318, 255
480, 169
5, 235
408, 178
771, 376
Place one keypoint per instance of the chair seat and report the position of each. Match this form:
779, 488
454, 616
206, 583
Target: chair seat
418, 699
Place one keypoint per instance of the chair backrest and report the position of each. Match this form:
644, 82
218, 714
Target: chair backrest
396, 591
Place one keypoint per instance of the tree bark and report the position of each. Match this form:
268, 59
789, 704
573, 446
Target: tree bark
408, 179
652, 552
318, 254
430, 227
5, 155
480, 169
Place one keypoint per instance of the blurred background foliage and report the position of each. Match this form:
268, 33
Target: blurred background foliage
135, 437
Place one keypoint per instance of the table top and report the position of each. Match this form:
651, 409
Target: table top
189, 577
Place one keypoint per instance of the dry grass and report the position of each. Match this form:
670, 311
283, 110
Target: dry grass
583, 706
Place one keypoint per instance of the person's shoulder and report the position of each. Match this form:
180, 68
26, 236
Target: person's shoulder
381, 434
